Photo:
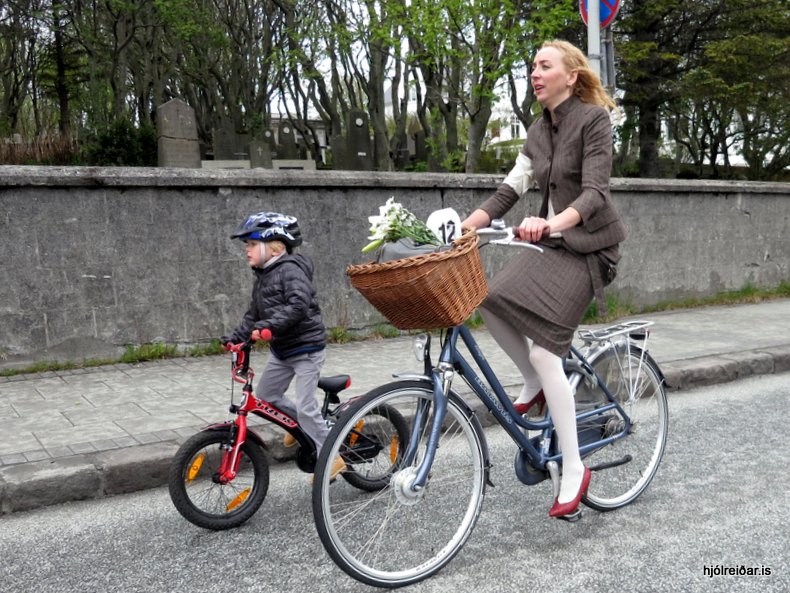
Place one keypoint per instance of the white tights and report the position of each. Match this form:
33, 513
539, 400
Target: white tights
541, 368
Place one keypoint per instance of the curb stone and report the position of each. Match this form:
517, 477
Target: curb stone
134, 468
42, 483
712, 370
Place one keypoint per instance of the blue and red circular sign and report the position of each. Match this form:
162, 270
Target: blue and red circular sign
608, 9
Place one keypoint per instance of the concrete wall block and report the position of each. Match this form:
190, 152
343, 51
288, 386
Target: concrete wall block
76, 320
43, 483
22, 331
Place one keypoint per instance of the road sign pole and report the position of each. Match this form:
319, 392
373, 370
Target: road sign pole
594, 35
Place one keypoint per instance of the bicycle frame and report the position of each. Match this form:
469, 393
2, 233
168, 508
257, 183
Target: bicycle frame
493, 396
240, 433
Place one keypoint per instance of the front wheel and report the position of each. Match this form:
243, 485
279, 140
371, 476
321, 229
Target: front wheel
623, 469
197, 494
398, 536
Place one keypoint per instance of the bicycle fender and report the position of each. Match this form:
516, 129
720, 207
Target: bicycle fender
226, 426
642, 352
479, 428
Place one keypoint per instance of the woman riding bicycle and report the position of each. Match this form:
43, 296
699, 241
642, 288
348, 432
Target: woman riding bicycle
543, 297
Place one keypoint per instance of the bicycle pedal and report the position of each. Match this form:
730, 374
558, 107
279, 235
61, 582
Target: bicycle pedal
573, 517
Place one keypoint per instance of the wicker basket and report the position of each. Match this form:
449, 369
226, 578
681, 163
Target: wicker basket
435, 290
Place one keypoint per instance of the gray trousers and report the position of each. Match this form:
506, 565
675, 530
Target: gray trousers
275, 380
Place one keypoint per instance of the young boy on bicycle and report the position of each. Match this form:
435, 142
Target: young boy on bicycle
284, 302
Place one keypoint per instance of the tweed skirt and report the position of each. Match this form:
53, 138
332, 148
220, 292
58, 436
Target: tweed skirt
543, 295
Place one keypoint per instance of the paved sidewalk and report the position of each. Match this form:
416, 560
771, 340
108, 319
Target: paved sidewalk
96, 432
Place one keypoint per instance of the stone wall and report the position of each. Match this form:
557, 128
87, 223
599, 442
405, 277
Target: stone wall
96, 258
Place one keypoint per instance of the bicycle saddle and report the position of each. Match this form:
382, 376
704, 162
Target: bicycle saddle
334, 384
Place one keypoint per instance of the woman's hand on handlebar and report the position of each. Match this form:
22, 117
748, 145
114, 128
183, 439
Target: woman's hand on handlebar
501, 234
532, 229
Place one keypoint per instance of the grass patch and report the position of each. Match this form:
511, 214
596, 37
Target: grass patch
149, 352
384, 330
744, 296
44, 366
475, 321
614, 310
210, 349
747, 294
340, 335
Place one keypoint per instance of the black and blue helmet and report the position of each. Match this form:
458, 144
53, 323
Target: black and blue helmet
270, 226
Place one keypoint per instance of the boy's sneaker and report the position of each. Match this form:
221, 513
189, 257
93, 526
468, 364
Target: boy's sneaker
338, 467
288, 440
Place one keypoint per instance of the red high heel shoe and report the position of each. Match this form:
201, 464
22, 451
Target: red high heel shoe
539, 399
566, 508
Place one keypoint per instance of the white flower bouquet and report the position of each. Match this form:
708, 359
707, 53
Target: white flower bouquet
394, 223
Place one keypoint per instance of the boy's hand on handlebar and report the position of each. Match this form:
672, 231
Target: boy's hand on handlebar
532, 229
261, 334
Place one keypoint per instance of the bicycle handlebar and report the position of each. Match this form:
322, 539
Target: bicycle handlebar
256, 335
262, 334
488, 235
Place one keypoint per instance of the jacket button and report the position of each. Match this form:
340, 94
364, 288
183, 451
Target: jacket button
555, 128
553, 185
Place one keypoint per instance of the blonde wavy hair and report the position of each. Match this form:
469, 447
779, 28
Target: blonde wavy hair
588, 85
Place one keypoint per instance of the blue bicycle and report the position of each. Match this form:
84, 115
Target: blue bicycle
413, 527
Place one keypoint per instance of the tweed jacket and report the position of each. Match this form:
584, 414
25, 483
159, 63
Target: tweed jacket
571, 160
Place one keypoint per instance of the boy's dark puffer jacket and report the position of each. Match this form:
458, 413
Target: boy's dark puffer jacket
284, 301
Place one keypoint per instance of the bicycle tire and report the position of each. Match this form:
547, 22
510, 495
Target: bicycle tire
395, 537
623, 469
208, 504
375, 447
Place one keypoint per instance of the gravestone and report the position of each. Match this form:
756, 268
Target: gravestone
359, 151
177, 138
286, 142
260, 155
268, 138
337, 145
401, 156
222, 142
420, 148
229, 145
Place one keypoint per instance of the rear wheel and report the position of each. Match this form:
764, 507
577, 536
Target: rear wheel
623, 469
374, 448
197, 494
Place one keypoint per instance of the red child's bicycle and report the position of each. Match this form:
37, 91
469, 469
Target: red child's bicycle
220, 476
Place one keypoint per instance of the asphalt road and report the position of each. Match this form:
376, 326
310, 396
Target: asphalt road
720, 500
